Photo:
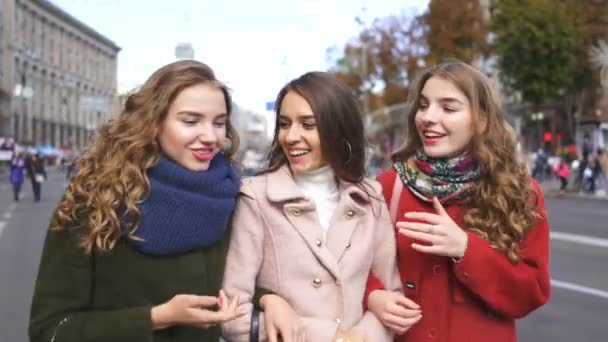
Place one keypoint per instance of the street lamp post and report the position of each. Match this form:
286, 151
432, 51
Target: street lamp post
364, 76
24, 92
363, 67
66, 86
539, 118
21, 124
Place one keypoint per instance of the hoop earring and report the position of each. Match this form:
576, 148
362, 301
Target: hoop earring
350, 152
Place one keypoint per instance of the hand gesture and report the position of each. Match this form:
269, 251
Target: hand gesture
195, 311
394, 310
440, 233
281, 320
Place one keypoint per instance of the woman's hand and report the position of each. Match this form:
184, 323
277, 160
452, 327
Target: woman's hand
281, 320
195, 311
440, 233
394, 310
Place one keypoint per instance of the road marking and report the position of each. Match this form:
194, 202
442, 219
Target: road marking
2, 224
582, 239
579, 288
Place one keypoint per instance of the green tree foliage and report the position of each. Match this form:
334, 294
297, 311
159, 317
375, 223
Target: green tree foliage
538, 44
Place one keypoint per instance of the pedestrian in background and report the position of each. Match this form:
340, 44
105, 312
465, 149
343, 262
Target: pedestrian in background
310, 228
36, 173
597, 172
563, 173
540, 166
603, 159
473, 236
69, 164
17, 174
136, 247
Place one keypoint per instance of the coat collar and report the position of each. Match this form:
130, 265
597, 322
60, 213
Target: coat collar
281, 187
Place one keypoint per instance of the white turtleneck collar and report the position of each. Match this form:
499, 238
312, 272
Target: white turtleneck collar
320, 186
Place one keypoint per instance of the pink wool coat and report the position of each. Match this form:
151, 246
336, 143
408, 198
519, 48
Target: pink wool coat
277, 244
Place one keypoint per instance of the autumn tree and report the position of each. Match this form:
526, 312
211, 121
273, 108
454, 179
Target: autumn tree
385, 55
456, 29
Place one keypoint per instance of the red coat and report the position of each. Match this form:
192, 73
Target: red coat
479, 298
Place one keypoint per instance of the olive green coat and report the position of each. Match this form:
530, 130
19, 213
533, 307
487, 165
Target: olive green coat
108, 297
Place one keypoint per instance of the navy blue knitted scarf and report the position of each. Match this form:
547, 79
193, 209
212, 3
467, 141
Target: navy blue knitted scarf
186, 210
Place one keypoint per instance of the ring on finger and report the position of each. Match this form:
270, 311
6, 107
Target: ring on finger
431, 228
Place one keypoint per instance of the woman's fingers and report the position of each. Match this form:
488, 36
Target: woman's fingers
424, 237
436, 250
424, 217
400, 323
271, 331
198, 301
401, 311
408, 303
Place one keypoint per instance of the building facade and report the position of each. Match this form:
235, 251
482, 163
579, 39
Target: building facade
59, 75
5, 92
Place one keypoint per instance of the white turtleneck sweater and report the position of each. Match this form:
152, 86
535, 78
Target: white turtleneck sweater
320, 186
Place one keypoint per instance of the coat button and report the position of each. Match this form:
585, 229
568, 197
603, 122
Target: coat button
316, 282
296, 212
350, 214
338, 321
436, 269
338, 283
318, 243
348, 245
432, 333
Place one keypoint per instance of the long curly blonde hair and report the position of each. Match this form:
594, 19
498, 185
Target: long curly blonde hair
504, 203
111, 179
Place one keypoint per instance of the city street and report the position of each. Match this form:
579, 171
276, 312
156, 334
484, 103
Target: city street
577, 311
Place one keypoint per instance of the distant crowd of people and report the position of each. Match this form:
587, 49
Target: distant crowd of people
29, 166
584, 173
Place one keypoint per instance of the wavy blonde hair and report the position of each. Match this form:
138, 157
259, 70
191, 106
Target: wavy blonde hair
500, 209
111, 179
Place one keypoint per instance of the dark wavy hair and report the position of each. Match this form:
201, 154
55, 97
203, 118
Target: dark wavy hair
339, 121
112, 171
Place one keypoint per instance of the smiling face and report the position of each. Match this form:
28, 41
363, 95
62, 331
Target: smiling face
444, 119
298, 134
194, 130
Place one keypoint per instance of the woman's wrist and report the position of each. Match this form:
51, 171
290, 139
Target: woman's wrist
160, 317
264, 300
459, 257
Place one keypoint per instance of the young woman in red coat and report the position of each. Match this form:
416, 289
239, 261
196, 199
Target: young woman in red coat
472, 232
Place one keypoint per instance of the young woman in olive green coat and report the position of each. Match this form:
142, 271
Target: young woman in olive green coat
136, 247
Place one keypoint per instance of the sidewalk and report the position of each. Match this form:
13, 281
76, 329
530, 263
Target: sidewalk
551, 187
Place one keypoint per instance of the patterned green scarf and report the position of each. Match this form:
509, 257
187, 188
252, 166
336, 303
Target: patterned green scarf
449, 179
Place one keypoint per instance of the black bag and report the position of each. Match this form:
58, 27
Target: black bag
254, 331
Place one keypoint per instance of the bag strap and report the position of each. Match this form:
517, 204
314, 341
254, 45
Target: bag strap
394, 203
254, 331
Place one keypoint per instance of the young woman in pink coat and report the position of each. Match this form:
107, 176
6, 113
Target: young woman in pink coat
311, 228
473, 237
